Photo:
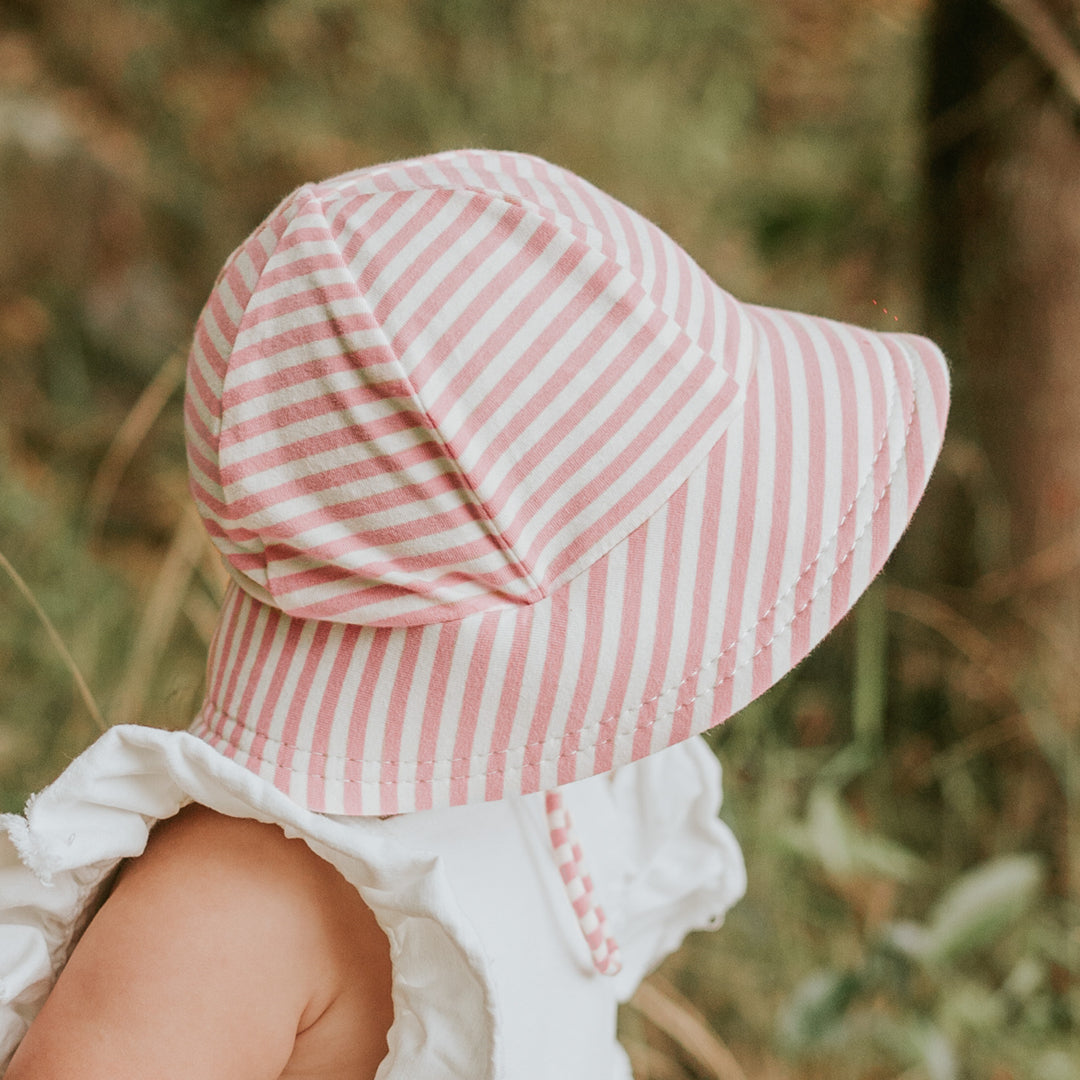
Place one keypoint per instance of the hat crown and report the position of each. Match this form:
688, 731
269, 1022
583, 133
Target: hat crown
426, 389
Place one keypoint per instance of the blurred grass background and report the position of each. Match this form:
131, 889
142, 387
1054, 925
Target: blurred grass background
908, 798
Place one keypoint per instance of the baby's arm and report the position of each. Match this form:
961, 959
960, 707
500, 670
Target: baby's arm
225, 952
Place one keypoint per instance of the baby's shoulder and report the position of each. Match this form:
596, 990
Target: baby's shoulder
225, 950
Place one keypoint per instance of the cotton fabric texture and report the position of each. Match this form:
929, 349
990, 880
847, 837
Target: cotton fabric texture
491, 977
512, 493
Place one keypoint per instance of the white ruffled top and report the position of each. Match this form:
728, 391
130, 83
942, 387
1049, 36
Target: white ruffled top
491, 976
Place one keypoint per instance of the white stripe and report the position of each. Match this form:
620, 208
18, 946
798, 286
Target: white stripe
420, 297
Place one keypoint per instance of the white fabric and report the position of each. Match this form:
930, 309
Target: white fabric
492, 978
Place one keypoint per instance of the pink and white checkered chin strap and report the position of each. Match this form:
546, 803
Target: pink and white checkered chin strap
579, 887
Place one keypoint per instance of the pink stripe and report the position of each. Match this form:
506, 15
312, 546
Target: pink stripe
389, 249
628, 634
706, 341
232, 281
685, 291
328, 707
395, 720
198, 387
780, 430
704, 588
267, 631
434, 700
484, 356
493, 293
689, 441
507, 710
740, 559
590, 197
347, 207
383, 181
575, 362
448, 172
849, 472
470, 709
578, 417
663, 622
422, 494
199, 435
354, 474
582, 906
470, 214
285, 651
326, 574
344, 400
937, 374
815, 492
346, 606
590, 661
556, 180
659, 267
879, 539
632, 240
329, 301
229, 619
308, 257
540, 727
209, 504
524, 170
360, 714
322, 443
916, 456
297, 697
500, 233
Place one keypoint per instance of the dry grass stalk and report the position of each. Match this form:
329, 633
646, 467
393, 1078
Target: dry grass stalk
963, 635
1010, 86
1047, 40
662, 1005
202, 613
649, 1063
958, 755
129, 436
163, 606
1047, 566
57, 641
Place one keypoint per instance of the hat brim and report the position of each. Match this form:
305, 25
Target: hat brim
702, 608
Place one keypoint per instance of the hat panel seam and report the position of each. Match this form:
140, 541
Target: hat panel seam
433, 428
557, 740
654, 309
325, 201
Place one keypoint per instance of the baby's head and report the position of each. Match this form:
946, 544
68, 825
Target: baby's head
512, 492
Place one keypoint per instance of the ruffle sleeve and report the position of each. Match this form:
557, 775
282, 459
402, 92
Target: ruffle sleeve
57, 860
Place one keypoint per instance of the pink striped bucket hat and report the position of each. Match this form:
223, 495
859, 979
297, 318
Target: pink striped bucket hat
511, 493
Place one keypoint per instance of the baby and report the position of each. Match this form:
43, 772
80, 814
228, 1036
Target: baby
516, 502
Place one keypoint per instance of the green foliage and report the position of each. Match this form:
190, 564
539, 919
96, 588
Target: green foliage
974, 911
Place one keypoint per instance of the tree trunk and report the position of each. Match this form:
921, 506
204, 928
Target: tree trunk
1004, 250
1003, 276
